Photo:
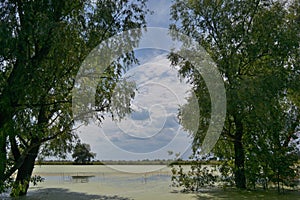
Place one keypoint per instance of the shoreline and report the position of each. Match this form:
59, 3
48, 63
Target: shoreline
130, 162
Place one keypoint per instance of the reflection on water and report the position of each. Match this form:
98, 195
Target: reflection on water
102, 182
141, 178
81, 179
100, 174
105, 180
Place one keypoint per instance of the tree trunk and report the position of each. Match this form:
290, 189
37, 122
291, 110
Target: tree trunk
278, 182
24, 173
3, 137
239, 162
2, 157
6, 114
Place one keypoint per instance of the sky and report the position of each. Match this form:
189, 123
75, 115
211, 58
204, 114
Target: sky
152, 129
161, 15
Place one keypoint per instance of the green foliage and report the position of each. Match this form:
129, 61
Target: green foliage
255, 45
44, 44
36, 179
6, 185
227, 175
194, 179
82, 153
19, 187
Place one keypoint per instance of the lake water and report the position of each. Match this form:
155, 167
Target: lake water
105, 182
125, 182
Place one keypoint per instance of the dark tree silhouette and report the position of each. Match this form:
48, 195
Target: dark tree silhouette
82, 153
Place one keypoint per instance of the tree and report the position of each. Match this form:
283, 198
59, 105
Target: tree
44, 44
82, 153
255, 45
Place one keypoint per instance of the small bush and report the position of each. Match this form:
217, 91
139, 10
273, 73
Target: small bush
194, 179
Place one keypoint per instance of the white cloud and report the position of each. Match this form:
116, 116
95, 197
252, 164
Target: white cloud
153, 128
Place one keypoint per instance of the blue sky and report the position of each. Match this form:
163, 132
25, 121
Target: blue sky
153, 128
161, 16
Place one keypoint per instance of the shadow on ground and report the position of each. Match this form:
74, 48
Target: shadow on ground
235, 194
59, 193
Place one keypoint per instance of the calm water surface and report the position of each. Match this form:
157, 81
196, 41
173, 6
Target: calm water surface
105, 182
125, 182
